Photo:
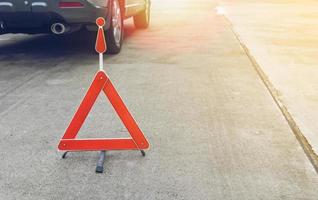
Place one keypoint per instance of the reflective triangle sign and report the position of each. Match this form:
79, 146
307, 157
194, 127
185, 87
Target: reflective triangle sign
101, 83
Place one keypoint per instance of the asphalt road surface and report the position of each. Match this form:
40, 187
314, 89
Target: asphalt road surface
214, 129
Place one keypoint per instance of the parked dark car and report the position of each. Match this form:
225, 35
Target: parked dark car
67, 16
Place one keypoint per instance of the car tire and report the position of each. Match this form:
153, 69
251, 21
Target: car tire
115, 34
142, 19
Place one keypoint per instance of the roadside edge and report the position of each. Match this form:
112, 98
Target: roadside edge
312, 156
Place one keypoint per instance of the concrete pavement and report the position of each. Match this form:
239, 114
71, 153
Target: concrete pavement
284, 44
214, 129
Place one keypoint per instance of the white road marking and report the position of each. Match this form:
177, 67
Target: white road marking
220, 10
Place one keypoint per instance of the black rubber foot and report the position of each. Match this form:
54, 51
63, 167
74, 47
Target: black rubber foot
64, 154
143, 153
99, 169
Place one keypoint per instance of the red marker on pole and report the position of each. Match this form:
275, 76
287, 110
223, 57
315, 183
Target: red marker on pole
100, 45
102, 83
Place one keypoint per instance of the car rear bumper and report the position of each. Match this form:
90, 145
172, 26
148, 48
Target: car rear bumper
44, 13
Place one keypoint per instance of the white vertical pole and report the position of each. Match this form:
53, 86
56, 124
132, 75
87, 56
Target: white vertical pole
101, 60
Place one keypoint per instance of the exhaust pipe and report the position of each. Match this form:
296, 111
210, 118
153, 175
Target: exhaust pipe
2, 27
59, 28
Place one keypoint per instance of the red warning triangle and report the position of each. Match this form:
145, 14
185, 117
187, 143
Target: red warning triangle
100, 83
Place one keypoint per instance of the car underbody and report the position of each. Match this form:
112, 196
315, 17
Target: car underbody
67, 16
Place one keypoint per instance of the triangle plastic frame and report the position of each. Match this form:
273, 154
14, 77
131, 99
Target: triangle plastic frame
100, 83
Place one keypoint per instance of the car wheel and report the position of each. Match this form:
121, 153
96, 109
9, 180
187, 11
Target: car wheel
142, 19
115, 34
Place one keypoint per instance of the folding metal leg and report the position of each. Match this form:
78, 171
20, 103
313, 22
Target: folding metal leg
100, 163
64, 154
